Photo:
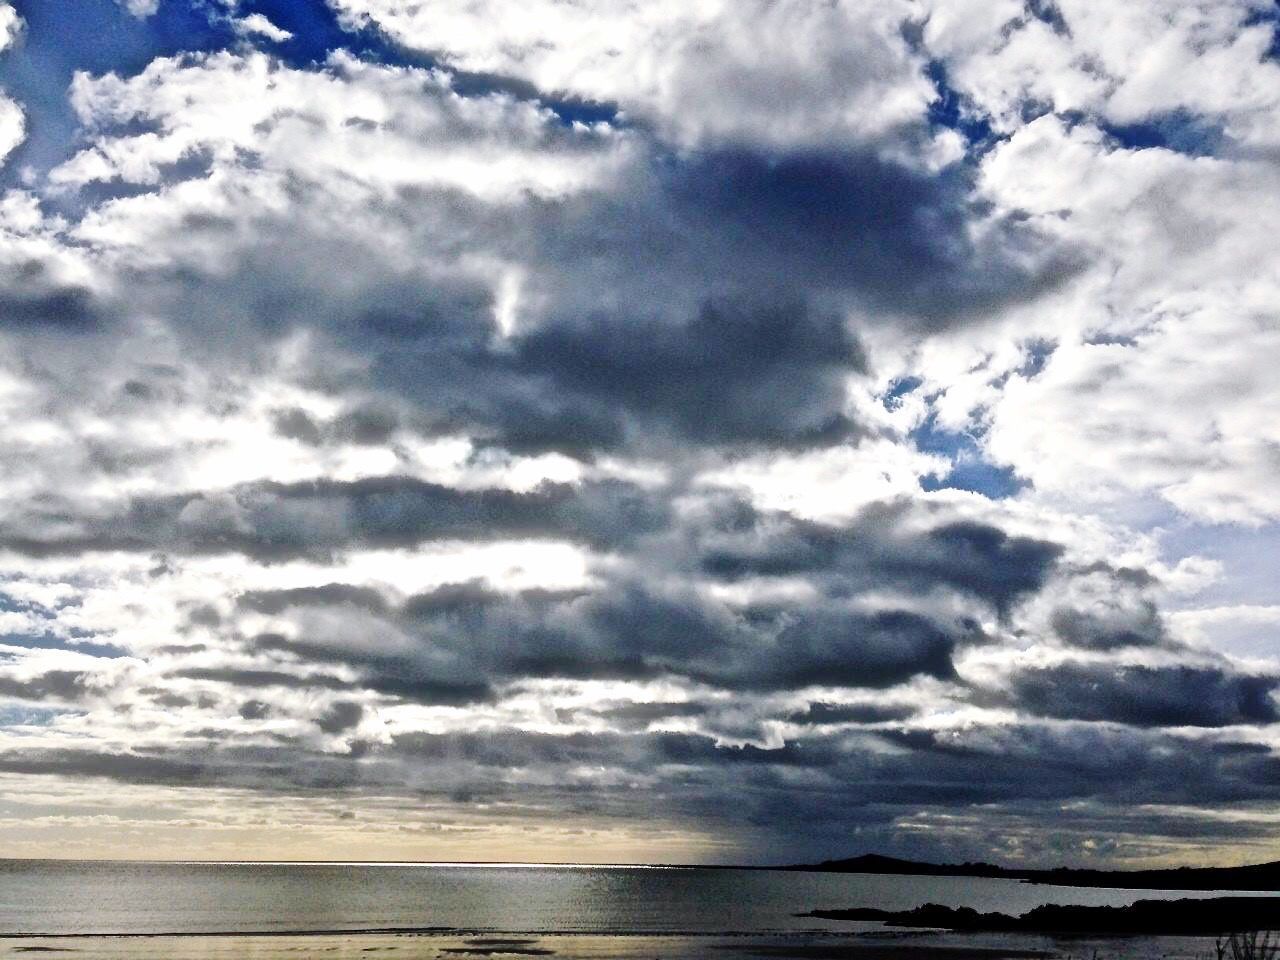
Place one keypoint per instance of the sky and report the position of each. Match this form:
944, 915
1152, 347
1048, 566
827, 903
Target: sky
729, 431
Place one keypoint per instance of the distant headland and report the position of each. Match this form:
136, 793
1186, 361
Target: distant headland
1260, 876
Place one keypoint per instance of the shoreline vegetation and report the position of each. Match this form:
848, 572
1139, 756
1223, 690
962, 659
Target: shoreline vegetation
1197, 918
1256, 877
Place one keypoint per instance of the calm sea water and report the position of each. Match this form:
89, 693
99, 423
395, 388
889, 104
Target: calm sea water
63, 897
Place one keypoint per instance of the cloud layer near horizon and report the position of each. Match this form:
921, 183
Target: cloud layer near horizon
727, 431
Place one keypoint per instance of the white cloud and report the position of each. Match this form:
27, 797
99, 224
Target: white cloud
1126, 64
11, 25
255, 24
12, 120
788, 74
140, 8
360, 127
1159, 382
12, 127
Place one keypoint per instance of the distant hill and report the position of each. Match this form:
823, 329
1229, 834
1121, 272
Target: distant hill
1260, 876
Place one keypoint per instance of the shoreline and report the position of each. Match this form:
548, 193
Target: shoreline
884, 944
1186, 917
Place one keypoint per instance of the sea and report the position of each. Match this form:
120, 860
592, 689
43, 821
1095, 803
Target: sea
272, 911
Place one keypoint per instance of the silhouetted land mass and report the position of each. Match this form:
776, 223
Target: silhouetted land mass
1211, 917
1260, 876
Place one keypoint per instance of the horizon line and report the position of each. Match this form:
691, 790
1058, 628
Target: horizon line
814, 866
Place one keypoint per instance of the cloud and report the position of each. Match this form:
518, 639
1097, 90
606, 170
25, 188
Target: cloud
1147, 696
277, 522
1122, 66
12, 126
11, 26
13, 122
255, 24
256, 679
756, 248
765, 375
710, 71
57, 685
340, 717
802, 419
880, 546
140, 8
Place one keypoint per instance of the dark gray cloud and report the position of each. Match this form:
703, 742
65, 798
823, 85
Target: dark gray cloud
1143, 696
122, 767
741, 343
1111, 628
32, 300
426, 675
854, 222
795, 795
276, 522
744, 340
70, 686
254, 710
975, 558
363, 424
340, 717
297, 424
330, 594
259, 679
823, 714
64, 308
761, 370
768, 374
841, 648
459, 643
464, 641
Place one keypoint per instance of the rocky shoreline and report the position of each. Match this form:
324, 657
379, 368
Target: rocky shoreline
1211, 917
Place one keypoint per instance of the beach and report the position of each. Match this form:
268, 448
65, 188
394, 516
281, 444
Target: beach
458, 946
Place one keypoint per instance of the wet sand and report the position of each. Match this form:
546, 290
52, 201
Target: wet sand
863, 945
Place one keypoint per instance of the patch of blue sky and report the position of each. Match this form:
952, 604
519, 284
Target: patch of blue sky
1267, 14
892, 398
36, 639
95, 36
317, 32
86, 645
1177, 130
1248, 558
970, 470
952, 111
1047, 12
1037, 355
22, 716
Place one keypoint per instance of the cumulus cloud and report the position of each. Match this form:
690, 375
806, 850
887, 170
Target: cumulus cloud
11, 25
789, 74
13, 121
255, 24
1181, 696
809, 411
140, 8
